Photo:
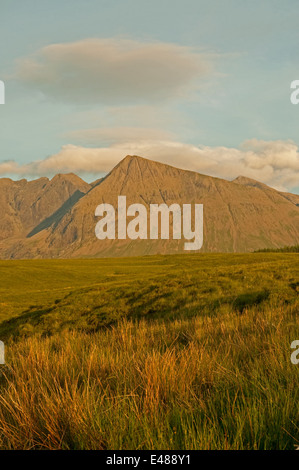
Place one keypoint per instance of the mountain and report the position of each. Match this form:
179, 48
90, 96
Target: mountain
294, 198
56, 218
24, 204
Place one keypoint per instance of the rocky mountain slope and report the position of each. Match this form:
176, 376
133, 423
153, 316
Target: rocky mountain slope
42, 218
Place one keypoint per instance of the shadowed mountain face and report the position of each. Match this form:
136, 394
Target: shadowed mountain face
27, 207
43, 218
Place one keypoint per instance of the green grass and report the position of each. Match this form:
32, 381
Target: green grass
285, 249
163, 352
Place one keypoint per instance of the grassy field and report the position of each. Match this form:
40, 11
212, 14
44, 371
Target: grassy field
163, 352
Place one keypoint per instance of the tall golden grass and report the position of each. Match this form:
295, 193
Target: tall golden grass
213, 382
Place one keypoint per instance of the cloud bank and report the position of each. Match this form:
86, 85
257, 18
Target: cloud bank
113, 71
275, 163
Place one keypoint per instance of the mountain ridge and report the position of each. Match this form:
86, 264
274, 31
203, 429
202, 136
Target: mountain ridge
239, 215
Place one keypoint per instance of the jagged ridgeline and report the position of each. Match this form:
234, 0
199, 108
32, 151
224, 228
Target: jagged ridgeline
56, 218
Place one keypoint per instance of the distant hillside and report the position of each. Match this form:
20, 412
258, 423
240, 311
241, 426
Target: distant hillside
55, 219
285, 249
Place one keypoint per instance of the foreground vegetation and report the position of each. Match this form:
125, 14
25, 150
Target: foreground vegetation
172, 352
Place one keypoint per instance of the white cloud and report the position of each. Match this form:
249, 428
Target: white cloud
275, 163
114, 71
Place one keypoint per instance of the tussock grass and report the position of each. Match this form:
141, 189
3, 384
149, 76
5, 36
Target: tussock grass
201, 383
164, 352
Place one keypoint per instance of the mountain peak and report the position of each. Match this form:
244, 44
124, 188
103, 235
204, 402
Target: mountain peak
66, 176
70, 179
143, 163
132, 158
245, 181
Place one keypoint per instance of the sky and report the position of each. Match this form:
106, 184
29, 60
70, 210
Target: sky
201, 85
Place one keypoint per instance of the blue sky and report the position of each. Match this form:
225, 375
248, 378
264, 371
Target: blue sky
203, 85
